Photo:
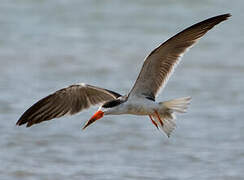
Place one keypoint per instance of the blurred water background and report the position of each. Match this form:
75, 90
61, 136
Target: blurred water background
47, 45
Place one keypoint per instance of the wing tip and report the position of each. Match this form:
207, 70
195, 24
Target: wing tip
18, 123
220, 18
225, 16
228, 15
22, 121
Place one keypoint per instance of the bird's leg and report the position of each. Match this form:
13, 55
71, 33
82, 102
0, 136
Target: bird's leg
155, 124
161, 122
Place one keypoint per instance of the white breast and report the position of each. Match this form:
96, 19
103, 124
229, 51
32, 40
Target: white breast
136, 106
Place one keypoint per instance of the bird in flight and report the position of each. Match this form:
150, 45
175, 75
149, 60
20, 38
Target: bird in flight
156, 69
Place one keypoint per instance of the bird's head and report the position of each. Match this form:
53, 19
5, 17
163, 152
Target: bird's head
98, 115
106, 108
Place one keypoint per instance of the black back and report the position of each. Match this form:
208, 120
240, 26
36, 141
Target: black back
116, 102
112, 103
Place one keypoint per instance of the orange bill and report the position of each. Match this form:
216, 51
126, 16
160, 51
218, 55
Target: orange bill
98, 115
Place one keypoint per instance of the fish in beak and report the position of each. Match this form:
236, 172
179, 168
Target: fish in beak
98, 115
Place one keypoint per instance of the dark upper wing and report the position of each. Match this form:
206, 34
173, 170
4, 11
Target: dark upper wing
160, 63
69, 100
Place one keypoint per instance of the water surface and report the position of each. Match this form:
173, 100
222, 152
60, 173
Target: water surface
47, 45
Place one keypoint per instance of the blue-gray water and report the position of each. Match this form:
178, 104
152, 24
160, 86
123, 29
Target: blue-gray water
46, 45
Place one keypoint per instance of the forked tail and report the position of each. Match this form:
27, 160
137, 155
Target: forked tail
165, 117
177, 105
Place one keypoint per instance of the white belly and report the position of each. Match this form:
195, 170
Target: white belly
142, 107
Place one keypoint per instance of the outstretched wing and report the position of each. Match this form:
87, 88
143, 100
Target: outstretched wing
160, 63
70, 100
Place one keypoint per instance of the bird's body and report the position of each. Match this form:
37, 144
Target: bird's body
141, 100
135, 106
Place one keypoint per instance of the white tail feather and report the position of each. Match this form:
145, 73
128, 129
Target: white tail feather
167, 113
177, 105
